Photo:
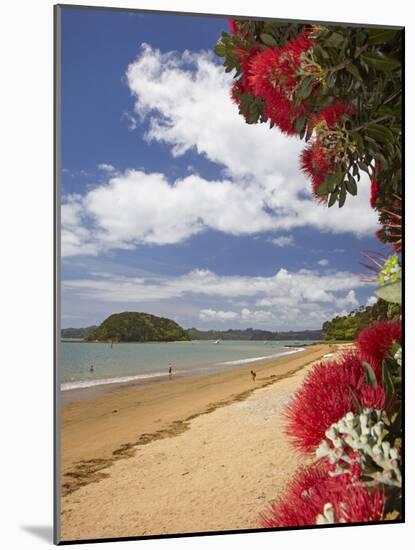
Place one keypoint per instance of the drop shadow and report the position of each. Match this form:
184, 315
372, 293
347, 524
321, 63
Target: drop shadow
43, 532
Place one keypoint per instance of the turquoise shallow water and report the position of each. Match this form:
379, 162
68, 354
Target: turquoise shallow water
124, 362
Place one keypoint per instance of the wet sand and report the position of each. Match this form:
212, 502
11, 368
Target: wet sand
148, 459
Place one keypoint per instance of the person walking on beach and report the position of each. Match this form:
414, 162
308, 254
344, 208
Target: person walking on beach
253, 375
170, 370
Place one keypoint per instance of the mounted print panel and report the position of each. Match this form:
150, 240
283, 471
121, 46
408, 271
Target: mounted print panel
229, 274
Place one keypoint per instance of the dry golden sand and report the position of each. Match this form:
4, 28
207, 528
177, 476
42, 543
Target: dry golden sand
161, 465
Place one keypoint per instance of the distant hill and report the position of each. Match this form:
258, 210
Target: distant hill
348, 326
131, 326
253, 334
77, 332
143, 327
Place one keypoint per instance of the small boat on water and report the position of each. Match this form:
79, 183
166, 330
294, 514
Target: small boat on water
216, 342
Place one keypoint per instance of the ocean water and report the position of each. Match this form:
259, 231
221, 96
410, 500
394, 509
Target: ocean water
125, 362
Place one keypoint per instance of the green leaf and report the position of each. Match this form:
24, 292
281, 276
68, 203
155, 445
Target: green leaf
305, 88
381, 36
351, 185
220, 50
387, 381
253, 113
322, 190
333, 197
335, 40
299, 124
360, 38
320, 54
332, 181
363, 166
380, 62
267, 39
331, 79
342, 196
353, 70
309, 132
357, 138
338, 177
387, 110
379, 133
391, 292
370, 376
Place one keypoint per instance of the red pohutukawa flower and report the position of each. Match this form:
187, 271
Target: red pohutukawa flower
279, 110
246, 57
316, 166
296, 506
372, 397
311, 489
275, 68
232, 26
241, 87
375, 342
273, 78
332, 114
328, 393
374, 191
300, 44
314, 161
356, 503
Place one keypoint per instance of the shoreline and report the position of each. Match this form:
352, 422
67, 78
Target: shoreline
84, 389
108, 426
165, 461
109, 342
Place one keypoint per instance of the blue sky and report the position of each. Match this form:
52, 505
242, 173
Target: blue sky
171, 204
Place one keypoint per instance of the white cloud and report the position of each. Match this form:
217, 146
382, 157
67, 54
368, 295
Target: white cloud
281, 288
136, 208
131, 121
302, 298
213, 315
371, 300
246, 315
283, 241
106, 167
349, 301
185, 100
259, 316
75, 237
323, 262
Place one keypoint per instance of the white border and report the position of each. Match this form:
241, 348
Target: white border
26, 313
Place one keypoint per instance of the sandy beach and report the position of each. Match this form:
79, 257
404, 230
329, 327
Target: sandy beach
187, 455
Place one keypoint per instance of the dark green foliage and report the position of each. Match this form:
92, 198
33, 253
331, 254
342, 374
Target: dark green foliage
131, 326
77, 332
348, 326
253, 334
360, 67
